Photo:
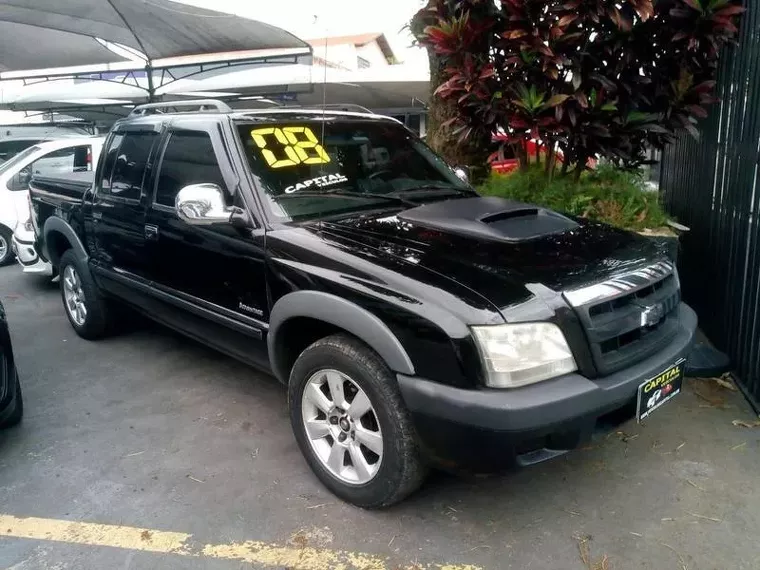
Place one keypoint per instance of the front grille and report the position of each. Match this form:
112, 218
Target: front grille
630, 316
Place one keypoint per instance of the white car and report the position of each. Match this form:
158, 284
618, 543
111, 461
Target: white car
26, 253
50, 158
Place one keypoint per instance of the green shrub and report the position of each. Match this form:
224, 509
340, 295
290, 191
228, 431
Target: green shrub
606, 194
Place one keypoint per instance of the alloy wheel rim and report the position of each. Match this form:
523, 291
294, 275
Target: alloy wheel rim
3, 248
342, 427
74, 296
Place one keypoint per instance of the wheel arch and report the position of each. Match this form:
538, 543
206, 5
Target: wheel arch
330, 314
60, 236
8, 233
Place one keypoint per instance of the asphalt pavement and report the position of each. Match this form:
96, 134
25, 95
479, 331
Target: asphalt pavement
148, 450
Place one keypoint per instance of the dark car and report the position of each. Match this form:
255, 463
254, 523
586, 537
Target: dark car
11, 405
414, 322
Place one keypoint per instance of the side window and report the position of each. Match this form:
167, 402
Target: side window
54, 163
129, 164
9, 149
108, 162
58, 162
188, 159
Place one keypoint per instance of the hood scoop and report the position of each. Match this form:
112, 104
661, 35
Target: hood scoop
489, 217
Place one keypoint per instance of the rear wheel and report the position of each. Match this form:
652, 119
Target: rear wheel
86, 308
6, 253
351, 423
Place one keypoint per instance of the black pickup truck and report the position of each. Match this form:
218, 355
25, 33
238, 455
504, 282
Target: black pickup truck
414, 322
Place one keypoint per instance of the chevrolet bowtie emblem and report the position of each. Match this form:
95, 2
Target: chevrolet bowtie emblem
652, 314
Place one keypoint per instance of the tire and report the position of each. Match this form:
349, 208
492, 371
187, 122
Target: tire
6, 250
18, 411
371, 480
94, 322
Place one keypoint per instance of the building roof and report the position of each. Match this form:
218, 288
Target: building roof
357, 40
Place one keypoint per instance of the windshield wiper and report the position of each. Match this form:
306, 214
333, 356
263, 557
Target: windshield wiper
435, 187
349, 194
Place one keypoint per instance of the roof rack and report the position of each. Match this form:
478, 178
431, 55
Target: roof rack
172, 106
348, 107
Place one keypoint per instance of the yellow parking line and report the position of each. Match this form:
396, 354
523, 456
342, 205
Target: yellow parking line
182, 544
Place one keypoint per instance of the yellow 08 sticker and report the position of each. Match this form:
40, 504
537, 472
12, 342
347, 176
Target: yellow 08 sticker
298, 144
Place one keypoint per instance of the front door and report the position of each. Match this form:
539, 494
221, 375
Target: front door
119, 203
213, 272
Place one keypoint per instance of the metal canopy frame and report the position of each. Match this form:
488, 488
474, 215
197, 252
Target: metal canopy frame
169, 72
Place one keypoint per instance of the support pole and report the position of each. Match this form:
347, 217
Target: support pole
151, 88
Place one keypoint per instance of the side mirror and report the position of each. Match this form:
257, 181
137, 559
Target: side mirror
463, 173
21, 180
202, 205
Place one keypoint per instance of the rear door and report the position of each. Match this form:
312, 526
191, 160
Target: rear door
119, 203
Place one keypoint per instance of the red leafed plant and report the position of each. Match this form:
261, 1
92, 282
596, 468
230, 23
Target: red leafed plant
592, 78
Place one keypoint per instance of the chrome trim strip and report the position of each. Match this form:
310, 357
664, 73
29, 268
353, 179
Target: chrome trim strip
619, 285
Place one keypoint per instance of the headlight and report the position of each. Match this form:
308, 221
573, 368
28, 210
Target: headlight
518, 354
28, 226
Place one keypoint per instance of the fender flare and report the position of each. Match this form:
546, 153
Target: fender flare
8, 217
341, 313
55, 224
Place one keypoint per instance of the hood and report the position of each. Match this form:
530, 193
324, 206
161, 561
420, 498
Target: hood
496, 247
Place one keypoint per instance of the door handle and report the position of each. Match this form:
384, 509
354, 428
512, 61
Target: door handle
151, 232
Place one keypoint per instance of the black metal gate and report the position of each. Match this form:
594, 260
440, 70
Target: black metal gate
713, 186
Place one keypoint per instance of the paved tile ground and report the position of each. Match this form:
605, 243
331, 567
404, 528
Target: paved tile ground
150, 430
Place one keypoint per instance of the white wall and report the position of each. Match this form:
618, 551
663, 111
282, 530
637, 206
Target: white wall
341, 54
372, 53
346, 55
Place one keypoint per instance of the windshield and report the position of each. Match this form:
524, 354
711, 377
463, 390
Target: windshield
19, 158
358, 164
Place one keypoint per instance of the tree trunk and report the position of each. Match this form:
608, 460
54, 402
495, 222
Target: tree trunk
579, 168
523, 157
550, 158
471, 152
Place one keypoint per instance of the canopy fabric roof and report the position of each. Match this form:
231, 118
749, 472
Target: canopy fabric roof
380, 89
40, 34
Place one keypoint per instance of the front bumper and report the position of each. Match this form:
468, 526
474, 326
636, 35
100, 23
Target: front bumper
27, 256
489, 429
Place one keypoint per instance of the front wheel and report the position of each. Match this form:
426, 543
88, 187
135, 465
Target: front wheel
85, 306
351, 423
6, 252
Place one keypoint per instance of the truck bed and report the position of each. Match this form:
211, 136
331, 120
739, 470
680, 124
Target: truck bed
69, 186
58, 195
